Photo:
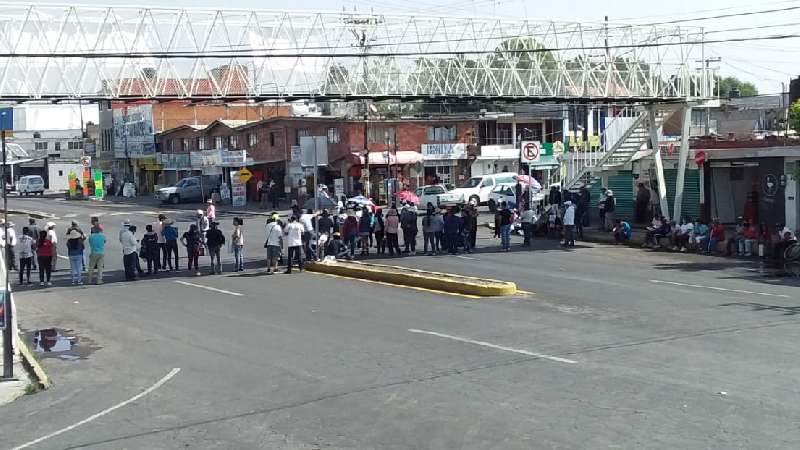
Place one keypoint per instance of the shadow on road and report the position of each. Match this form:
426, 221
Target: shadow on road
786, 310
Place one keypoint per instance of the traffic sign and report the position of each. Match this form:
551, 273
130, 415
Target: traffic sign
245, 175
86, 161
531, 151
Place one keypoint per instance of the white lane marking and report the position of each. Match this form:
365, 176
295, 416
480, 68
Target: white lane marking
63, 257
466, 257
208, 288
69, 216
494, 346
152, 388
715, 288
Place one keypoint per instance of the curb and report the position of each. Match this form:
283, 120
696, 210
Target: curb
417, 278
33, 366
34, 214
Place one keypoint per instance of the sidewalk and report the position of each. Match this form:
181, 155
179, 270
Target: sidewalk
11, 390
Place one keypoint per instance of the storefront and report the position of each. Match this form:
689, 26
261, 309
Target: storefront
387, 172
176, 166
148, 172
496, 159
444, 163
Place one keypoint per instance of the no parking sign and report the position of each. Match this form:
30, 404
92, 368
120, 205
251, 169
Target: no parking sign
530, 152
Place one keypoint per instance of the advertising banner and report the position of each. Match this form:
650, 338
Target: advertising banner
133, 132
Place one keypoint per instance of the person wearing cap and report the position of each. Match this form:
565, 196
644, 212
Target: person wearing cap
75, 246
609, 210
335, 247
215, 240
211, 210
569, 224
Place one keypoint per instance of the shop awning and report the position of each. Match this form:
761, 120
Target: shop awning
545, 162
401, 157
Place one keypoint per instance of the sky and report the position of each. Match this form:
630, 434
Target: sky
764, 63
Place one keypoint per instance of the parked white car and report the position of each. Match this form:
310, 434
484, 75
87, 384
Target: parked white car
30, 184
475, 190
508, 193
430, 194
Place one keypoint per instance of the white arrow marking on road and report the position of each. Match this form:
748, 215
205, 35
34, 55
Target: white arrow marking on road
714, 288
69, 216
494, 346
209, 288
152, 388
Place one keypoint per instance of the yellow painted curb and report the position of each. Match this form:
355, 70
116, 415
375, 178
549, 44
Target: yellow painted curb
406, 276
29, 360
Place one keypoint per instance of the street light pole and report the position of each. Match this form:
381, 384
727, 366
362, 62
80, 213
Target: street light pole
8, 332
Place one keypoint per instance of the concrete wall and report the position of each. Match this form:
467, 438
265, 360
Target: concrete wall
36, 117
58, 173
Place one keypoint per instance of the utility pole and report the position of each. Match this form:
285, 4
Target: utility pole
8, 330
707, 63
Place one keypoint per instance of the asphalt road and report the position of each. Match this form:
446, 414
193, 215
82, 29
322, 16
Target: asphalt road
615, 348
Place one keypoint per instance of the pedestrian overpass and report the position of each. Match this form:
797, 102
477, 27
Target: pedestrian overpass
93, 53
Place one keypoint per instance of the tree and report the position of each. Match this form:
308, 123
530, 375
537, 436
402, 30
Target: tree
728, 87
794, 116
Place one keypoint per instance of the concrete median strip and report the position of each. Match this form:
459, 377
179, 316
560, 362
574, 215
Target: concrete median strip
406, 276
33, 366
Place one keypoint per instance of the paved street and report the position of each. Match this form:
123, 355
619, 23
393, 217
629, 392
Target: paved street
612, 347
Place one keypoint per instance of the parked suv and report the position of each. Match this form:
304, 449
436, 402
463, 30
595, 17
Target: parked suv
475, 190
430, 194
30, 184
188, 189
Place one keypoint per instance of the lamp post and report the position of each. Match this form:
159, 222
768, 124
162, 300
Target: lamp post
8, 332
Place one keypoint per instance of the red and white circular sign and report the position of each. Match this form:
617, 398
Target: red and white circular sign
530, 152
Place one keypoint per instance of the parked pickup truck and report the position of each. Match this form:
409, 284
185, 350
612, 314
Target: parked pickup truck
189, 189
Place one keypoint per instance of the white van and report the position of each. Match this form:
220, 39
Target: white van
475, 190
30, 184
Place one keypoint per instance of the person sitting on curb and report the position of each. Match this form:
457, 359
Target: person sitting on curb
716, 235
737, 238
700, 238
683, 234
749, 239
622, 232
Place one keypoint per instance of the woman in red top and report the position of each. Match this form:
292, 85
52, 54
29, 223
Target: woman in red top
716, 234
45, 253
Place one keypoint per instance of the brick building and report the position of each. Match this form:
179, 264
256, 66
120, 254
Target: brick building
414, 151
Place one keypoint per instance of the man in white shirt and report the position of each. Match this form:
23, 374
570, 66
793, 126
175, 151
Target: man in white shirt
294, 240
8, 228
569, 224
158, 227
129, 255
307, 220
53, 237
274, 235
527, 219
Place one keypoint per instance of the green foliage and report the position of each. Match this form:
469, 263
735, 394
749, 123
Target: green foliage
794, 116
728, 85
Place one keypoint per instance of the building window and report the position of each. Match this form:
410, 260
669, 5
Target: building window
219, 142
37, 135
40, 145
333, 135
185, 145
380, 135
252, 139
442, 134
233, 142
57, 146
74, 145
171, 145
272, 139
298, 133
61, 173
201, 143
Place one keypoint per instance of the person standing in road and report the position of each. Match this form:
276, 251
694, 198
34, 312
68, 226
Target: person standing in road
294, 240
506, 217
601, 208
365, 230
215, 240
158, 229
26, 249
465, 230
452, 229
428, 236
9, 242
527, 226
34, 233
610, 208
472, 225
170, 233
379, 228
75, 247
274, 194
203, 224
408, 221
53, 236
350, 232
211, 210
274, 236
44, 253
151, 251
237, 244
192, 241
569, 224
97, 250
307, 220
392, 228
129, 255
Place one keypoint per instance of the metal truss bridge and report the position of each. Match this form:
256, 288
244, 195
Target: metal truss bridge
59, 52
